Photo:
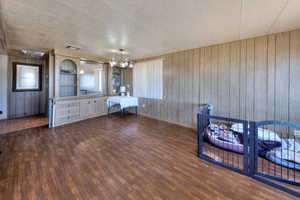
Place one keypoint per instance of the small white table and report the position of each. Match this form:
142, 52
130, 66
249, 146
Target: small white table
123, 101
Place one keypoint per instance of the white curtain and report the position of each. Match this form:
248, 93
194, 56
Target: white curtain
27, 77
148, 79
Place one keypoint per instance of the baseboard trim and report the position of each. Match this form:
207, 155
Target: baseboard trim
171, 122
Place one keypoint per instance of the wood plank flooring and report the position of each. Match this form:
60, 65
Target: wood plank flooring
112, 158
18, 124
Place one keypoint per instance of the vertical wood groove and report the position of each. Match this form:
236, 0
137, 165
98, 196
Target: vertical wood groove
229, 88
289, 77
275, 92
253, 79
267, 78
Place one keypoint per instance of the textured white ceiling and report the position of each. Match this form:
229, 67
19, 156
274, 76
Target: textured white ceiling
143, 27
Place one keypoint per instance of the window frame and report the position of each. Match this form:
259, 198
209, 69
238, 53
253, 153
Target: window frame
14, 81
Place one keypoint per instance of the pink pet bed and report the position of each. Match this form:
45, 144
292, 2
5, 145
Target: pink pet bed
219, 136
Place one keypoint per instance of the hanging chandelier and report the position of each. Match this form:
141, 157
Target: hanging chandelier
121, 59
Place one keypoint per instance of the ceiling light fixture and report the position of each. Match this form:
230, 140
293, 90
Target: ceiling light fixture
32, 53
72, 47
120, 59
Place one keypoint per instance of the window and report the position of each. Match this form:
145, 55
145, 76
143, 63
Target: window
27, 77
148, 79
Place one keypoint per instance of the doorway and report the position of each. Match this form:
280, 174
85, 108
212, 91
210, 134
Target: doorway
27, 93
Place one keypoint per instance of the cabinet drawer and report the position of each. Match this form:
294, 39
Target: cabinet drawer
74, 117
67, 118
67, 105
73, 110
61, 119
61, 112
67, 111
73, 104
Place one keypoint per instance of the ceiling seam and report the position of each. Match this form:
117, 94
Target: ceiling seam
241, 16
277, 16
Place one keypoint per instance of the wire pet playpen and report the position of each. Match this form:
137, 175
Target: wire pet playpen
268, 151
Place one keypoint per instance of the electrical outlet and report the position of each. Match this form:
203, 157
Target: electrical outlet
297, 133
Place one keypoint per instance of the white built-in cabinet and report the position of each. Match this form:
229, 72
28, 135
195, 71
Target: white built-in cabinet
69, 111
92, 107
67, 106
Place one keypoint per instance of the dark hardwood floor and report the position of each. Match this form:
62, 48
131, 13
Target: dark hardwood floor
117, 158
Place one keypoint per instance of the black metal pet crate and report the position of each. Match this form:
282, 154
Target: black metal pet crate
268, 151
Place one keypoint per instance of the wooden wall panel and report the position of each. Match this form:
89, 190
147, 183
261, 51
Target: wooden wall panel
195, 85
282, 76
170, 87
214, 79
186, 84
253, 79
207, 74
223, 107
261, 80
234, 86
201, 76
189, 89
250, 80
164, 102
175, 99
243, 79
294, 103
271, 77
27, 103
181, 76
20, 104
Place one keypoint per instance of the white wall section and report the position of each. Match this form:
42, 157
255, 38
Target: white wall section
3, 86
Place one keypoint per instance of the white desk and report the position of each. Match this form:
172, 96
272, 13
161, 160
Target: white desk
123, 101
